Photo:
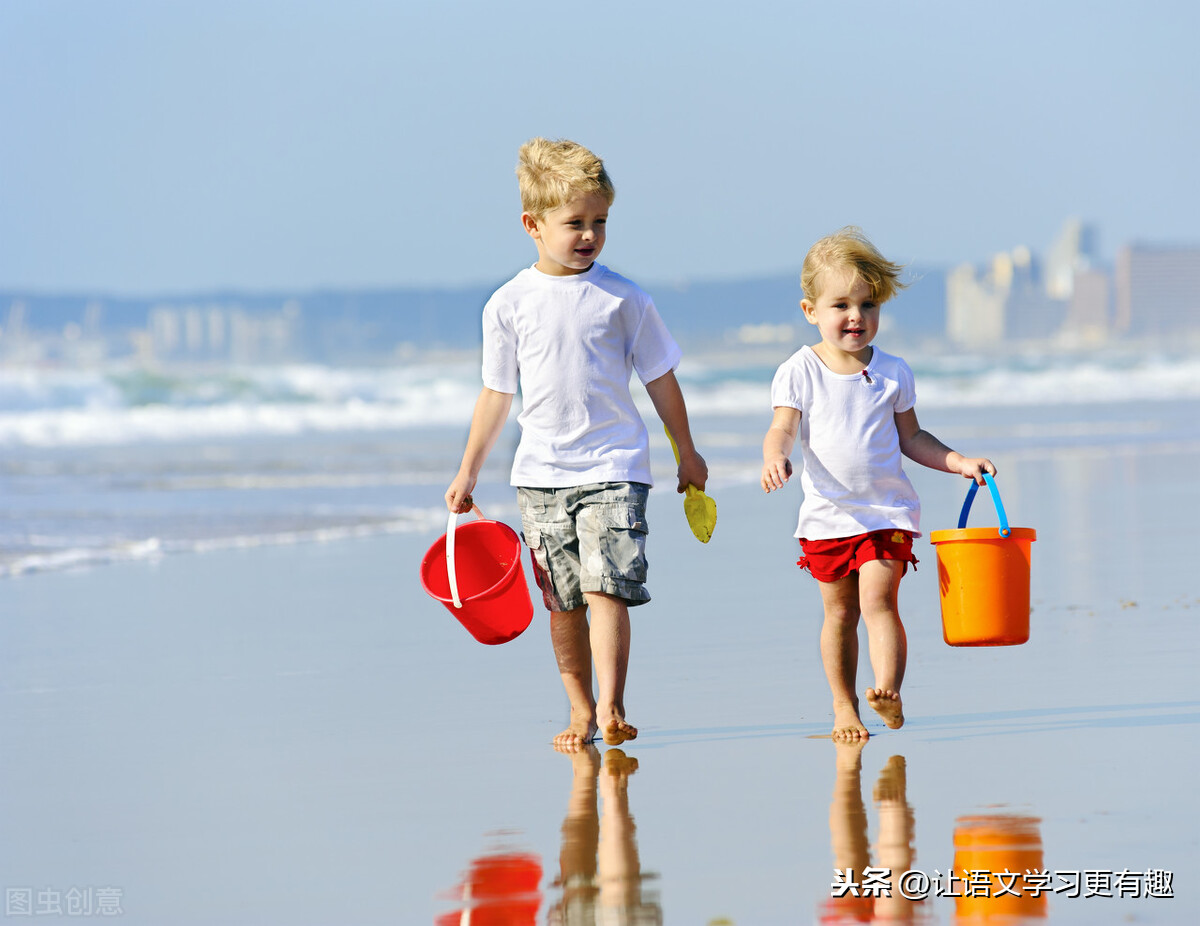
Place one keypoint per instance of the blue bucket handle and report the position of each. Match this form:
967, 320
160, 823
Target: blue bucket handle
1005, 530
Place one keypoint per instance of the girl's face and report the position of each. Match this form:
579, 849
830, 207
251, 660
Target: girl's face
571, 237
845, 313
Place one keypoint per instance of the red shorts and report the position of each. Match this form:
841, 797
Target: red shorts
830, 560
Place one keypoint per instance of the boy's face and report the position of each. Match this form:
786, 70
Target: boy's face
845, 312
571, 237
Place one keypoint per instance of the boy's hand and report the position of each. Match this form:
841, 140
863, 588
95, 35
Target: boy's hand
692, 471
458, 496
775, 473
975, 467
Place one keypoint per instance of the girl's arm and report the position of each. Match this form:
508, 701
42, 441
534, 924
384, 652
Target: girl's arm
924, 448
491, 411
668, 402
777, 447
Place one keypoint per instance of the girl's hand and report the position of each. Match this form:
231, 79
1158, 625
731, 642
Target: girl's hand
775, 473
975, 467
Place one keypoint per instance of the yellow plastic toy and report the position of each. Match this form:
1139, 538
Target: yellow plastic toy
700, 510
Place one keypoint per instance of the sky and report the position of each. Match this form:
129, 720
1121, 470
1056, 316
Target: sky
158, 146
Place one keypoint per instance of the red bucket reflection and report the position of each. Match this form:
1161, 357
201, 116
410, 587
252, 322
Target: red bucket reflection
498, 890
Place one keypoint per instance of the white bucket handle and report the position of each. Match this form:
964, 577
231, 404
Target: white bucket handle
450, 525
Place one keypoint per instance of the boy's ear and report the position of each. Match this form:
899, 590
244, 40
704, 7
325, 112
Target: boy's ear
531, 225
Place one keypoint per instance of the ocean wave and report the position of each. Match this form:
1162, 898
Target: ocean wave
56, 408
77, 556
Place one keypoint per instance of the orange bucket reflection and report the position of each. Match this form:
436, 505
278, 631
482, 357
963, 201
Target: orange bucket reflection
498, 890
992, 853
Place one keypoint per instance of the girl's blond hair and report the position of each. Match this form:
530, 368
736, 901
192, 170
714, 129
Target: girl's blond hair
850, 249
552, 173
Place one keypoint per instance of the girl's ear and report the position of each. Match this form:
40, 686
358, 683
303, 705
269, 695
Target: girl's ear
807, 307
531, 225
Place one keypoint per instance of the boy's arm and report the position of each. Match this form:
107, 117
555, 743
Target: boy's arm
921, 446
777, 447
668, 402
491, 411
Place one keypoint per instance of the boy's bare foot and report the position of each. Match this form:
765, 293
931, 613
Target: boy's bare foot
887, 705
581, 732
846, 724
617, 731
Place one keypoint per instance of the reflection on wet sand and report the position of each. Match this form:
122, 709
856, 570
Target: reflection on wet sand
601, 878
499, 889
993, 853
851, 848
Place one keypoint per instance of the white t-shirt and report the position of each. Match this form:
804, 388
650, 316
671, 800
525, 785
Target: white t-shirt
571, 343
853, 480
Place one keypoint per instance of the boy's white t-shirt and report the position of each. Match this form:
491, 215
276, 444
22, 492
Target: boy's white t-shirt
853, 480
571, 344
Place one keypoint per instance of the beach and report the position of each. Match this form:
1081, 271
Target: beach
296, 733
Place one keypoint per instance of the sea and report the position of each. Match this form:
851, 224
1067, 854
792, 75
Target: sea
117, 462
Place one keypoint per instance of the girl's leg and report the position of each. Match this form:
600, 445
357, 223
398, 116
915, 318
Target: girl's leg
572, 648
879, 589
609, 640
839, 654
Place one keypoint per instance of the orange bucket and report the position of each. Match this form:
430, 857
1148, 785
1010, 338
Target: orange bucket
475, 571
992, 845
983, 576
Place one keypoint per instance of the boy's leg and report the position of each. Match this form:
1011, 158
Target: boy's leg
609, 639
878, 590
839, 654
572, 649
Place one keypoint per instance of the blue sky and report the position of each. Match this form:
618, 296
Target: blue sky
154, 146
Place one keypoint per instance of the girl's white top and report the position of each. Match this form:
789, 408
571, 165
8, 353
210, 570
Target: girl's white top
571, 344
853, 480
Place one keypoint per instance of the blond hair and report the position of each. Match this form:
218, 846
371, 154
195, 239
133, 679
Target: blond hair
849, 249
552, 173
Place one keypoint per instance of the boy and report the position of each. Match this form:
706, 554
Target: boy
852, 407
569, 332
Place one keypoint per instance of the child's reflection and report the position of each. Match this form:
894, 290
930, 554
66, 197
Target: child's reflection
848, 832
601, 878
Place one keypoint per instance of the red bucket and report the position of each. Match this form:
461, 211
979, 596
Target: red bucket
475, 571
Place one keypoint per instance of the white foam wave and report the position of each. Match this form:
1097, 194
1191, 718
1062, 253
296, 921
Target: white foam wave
154, 548
99, 408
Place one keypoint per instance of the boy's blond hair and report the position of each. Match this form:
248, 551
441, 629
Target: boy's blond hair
850, 249
552, 173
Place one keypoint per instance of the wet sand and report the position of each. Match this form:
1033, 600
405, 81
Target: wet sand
299, 735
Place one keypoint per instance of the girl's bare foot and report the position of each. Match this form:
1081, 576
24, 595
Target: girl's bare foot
887, 705
581, 732
846, 724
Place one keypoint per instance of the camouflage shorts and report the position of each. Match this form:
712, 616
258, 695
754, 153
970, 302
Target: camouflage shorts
588, 538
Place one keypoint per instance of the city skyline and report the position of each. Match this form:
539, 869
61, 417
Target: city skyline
1069, 297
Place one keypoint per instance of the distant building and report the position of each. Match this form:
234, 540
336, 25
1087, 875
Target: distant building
1089, 309
1157, 291
1005, 302
1073, 251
